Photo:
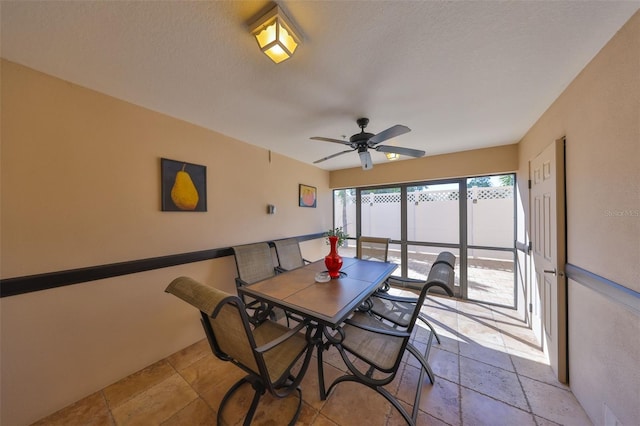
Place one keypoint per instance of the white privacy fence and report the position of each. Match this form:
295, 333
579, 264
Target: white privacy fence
433, 215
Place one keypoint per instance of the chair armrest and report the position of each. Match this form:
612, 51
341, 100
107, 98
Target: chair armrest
442, 277
280, 269
289, 334
391, 297
241, 283
409, 283
387, 332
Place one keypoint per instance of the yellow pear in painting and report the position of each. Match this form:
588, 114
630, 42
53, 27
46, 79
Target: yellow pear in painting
184, 193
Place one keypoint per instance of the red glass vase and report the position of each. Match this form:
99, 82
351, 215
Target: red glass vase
333, 261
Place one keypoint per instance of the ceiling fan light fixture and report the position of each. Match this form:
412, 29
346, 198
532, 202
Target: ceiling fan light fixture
275, 35
365, 160
391, 156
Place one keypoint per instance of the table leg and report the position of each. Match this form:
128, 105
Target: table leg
317, 340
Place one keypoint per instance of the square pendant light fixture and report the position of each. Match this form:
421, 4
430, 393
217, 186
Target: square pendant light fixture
275, 35
392, 156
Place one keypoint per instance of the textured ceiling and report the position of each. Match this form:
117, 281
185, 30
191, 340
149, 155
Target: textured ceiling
461, 75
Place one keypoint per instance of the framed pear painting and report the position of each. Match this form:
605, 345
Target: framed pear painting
184, 186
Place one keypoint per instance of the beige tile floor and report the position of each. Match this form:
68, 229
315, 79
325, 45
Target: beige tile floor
488, 369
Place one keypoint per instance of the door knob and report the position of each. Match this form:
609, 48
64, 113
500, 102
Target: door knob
550, 271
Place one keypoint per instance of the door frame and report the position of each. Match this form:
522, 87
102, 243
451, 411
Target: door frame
560, 360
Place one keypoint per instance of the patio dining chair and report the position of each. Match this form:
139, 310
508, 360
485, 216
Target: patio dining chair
373, 248
289, 254
378, 349
396, 309
393, 308
254, 263
267, 352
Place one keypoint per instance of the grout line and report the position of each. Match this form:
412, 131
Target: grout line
518, 377
498, 400
526, 398
459, 375
106, 404
214, 410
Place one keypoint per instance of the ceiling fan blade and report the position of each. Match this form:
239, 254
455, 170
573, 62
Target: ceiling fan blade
391, 132
331, 156
399, 150
318, 138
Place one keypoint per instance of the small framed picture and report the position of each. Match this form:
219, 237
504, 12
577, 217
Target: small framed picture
184, 186
307, 196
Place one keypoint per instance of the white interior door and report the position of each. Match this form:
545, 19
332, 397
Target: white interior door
548, 287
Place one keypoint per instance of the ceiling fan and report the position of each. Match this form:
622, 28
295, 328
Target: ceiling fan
363, 141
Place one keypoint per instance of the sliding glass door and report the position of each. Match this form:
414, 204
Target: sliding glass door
490, 240
433, 225
473, 218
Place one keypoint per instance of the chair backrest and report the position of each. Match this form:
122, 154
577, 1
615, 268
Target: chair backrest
289, 254
224, 319
373, 248
446, 257
441, 273
254, 262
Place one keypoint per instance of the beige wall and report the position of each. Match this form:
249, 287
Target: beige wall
81, 187
501, 159
599, 113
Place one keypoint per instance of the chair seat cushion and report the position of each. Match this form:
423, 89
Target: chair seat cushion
280, 358
379, 350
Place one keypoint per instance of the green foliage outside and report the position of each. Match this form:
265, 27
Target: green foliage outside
480, 182
507, 180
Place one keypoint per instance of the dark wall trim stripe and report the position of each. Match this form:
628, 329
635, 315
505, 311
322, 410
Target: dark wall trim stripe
39, 282
611, 290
